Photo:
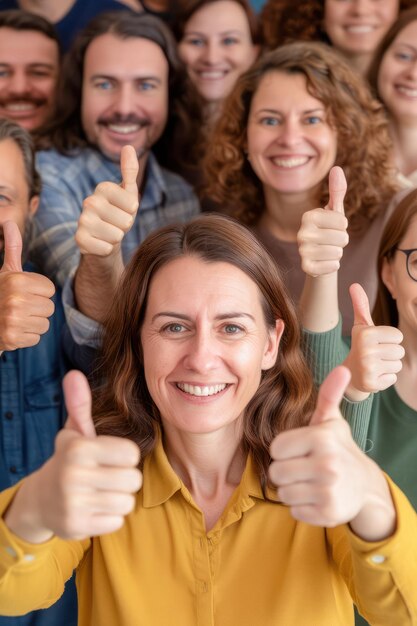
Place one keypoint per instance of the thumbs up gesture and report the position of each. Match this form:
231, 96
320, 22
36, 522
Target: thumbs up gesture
25, 303
322, 475
323, 232
109, 213
87, 487
375, 355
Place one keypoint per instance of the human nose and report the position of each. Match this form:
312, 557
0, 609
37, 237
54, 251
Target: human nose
412, 70
18, 83
125, 99
361, 7
202, 355
211, 54
290, 133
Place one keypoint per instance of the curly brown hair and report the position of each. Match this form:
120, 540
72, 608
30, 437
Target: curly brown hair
123, 406
283, 21
363, 142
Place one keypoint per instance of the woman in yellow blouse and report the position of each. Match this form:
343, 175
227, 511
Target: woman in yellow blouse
203, 374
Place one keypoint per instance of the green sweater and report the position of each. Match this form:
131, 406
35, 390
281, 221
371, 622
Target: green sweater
391, 438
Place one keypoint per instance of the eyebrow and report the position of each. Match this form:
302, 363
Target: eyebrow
402, 44
108, 77
186, 318
9, 190
48, 66
277, 111
235, 31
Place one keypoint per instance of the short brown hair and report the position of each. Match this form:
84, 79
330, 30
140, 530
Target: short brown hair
363, 142
24, 21
285, 397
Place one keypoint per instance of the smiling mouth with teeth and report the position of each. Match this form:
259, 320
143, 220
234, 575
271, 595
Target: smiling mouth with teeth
200, 391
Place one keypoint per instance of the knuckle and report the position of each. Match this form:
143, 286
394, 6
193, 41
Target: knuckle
104, 189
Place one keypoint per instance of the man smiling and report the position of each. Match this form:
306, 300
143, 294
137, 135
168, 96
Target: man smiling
29, 65
115, 91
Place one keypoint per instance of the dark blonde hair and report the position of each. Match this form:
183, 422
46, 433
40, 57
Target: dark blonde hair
385, 311
363, 142
123, 405
283, 21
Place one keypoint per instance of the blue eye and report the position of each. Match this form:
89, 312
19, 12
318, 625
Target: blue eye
146, 86
195, 41
232, 329
174, 328
313, 119
105, 85
269, 121
403, 56
229, 41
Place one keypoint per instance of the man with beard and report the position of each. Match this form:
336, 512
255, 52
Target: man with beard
29, 66
31, 362
117, 82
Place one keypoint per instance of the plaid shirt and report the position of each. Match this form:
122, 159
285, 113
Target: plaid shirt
68, 180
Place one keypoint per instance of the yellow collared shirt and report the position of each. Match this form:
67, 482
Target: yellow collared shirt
256, 567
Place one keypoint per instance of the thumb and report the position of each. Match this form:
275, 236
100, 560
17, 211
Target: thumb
360, 304
12, 247
78, 402
330, 395
129, 167
337, 190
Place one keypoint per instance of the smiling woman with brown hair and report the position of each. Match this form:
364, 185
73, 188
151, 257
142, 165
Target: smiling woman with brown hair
298, 112
353, 28
202, 368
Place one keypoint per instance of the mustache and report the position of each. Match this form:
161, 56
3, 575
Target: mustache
124, 119
22, 98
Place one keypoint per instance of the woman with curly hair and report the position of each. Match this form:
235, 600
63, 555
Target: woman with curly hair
393, 76
298, 112
354, 27
211, 487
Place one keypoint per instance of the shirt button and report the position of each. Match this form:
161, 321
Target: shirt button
13, 469
8, 415
378, 558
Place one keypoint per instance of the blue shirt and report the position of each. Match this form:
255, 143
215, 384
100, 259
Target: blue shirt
68, 180
79, 15
31, 414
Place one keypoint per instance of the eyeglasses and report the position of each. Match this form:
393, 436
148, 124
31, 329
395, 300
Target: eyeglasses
411, 261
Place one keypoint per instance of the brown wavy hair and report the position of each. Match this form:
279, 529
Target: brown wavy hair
65, 131
363, 142
385, 311
283, 21
285, 397
405, 18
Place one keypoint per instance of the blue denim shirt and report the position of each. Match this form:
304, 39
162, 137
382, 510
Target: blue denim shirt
31, 413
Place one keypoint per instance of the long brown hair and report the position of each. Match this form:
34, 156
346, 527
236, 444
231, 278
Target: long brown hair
385, 311
65, 131
283, 21
285, 397
363, 142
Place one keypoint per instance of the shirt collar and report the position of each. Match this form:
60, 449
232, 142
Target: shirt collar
160, 482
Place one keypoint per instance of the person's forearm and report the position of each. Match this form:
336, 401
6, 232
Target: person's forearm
23, 517
377, 519
318, 306
96, 283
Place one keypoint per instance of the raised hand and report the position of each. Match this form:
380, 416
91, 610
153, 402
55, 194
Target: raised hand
109, 213
324, 477
323, 232
25, 297
375, 355
87, 487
